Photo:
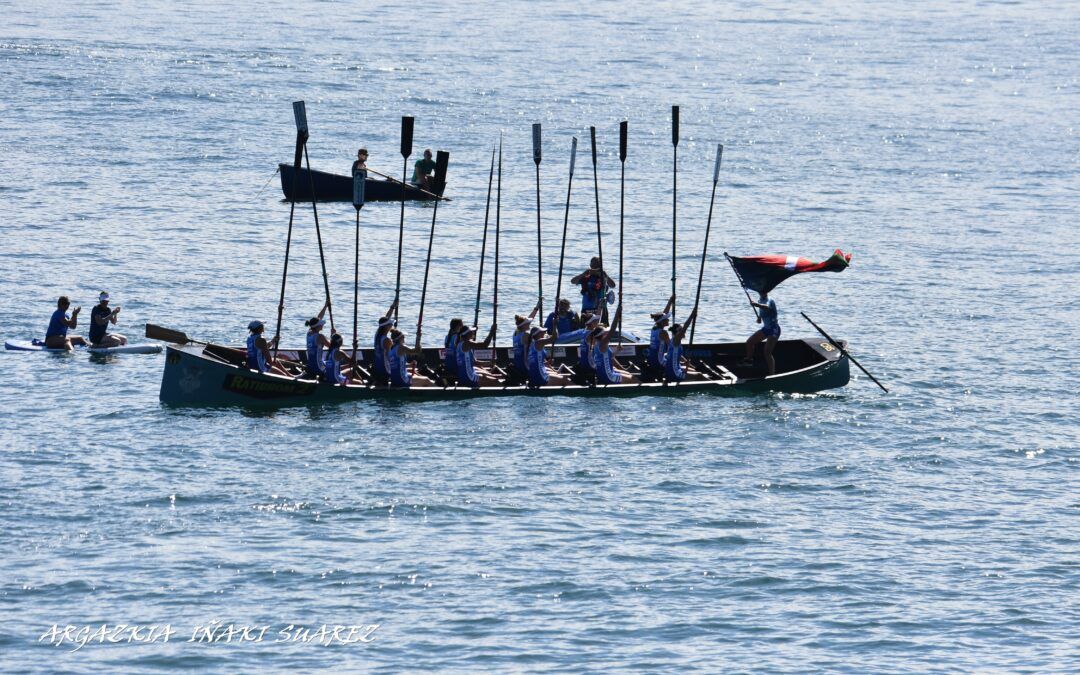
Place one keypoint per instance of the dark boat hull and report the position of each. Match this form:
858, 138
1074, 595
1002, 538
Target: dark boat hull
330, 187
215, 376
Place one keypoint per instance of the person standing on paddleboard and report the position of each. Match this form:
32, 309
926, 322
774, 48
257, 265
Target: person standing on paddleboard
769, 332
56, 336
100, 318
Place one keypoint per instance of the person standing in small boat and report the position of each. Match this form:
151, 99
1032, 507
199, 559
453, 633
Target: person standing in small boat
536, 361
381, 361
563, 320
674, 370
361, 161
450, 351
334, 370
607, 371
769, 332
399, 363
100, 318
56, 336
317, 343
423, 172
468, 374
258, 351
594, 283
659, 341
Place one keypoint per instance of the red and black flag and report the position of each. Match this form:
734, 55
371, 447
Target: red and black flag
762, 273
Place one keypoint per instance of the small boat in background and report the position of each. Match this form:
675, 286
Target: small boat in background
331, 187
36, 345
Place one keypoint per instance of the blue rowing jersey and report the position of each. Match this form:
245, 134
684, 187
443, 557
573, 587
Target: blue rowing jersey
316, 362
382, 367
399, 369
466, 372
584, 354
450, 353
769, 316
538, 375
57, 325
255, 358
332, 367
519, 352
605, 371
657, 353
673, 367
567, 322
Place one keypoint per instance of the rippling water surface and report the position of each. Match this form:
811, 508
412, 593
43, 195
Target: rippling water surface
932, 528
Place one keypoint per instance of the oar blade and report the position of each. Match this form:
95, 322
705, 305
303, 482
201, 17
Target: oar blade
359, 184
406, 135
573, 155
536, 142
622, 140
592, 136
716, 169
674, 125
300, 115
163, 334
442, 161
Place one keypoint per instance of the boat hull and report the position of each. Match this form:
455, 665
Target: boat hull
197, 376
330, 187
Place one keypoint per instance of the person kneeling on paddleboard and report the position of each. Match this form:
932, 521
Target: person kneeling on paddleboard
258, 351
100, 318
56, 336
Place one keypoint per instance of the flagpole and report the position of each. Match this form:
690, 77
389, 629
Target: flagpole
731, 262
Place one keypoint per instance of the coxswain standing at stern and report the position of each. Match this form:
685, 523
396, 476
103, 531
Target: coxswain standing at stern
594, 284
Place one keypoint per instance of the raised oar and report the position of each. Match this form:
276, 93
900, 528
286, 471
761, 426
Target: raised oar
406, 151
498, 212
318, 237
483, 245
743, 284
300, 116
844, 352
674, 198
599, 239
359, 184
708, 227
442, 159
539, 244
622, 210
566, 221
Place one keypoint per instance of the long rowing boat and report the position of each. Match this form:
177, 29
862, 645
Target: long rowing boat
331, 187
216, 375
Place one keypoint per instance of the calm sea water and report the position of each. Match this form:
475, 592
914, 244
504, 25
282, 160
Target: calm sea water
935, 528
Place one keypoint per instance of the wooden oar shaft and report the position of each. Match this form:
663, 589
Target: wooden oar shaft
427, 268
566, 224
844, 351
401, 238
318, 237
408, 185
599, 237
705, 247
498, 212
483, 245
301, 141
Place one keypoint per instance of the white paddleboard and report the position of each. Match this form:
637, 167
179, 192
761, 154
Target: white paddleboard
39, 346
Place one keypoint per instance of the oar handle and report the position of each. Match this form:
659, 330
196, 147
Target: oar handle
844, 351
402, 183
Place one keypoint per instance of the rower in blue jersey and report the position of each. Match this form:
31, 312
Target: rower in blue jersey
380, 360
399, 363
536, 361
56, 336
520, 339
563, 320
469, 375
450, 351
607, 368
659, 341
317, 343
674, 368
586, 363
258, 351
769, 332
334, 369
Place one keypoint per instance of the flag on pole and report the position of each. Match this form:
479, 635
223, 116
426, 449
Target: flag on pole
762, 273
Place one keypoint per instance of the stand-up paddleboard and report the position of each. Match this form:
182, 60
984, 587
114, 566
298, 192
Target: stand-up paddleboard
39, 346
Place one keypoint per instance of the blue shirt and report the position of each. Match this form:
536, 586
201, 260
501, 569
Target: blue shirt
450, 353
584, 354
399, 370
657, 352
538, 375
673, 367
381, 364
255, 358
769, 316
466, 373
566, 321
314, 352
332, 367
519, 352
57, 325
605, 372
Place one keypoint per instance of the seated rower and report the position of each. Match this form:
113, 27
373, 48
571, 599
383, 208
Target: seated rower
468, 374
258, 351
333, 369
361, 161
539, 373
381, 361
522, 326
56, 336
674, 370
659, 342
563, 320
316, 345
607, 370
450, 351
100, 318
769, 332
399, 358
424, 172
586, 363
